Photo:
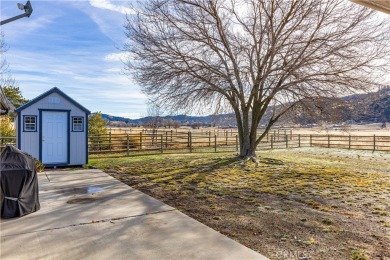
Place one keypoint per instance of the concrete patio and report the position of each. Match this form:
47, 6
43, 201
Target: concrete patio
87, 214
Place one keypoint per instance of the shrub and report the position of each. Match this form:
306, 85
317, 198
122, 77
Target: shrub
39, 165
6, 126
98, 133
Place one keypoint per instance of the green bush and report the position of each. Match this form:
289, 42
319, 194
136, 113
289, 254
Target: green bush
6, 126
98, 133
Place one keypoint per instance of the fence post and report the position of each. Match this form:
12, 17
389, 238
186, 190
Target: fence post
374, 143
161, 142
215, 143
140, 140
99, 142
209, 138
311, 140
328, 141
166, 139
299, 140
128, 145
226, 138
188, 139
109, 140
272, 142
171, 135
190, 136
237, 143
349, 142
286, 136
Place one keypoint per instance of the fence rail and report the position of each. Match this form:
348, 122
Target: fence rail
168, 141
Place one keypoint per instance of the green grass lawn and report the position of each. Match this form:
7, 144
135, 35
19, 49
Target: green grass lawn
320, 202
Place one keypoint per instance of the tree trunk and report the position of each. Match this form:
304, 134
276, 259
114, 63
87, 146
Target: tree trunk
246, 134
247, 150
247, 140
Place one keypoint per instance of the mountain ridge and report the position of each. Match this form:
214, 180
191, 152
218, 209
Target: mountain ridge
359, 108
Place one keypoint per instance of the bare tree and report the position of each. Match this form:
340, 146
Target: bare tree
3, 50
176, 124
5, 79
154, 115
254, 55
154, 119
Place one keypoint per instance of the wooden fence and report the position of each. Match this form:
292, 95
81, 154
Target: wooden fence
190, 142
172, 141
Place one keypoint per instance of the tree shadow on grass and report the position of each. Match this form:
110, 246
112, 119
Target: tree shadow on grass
271, 161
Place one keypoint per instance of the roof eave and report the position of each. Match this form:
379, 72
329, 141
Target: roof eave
379, 5
53, 90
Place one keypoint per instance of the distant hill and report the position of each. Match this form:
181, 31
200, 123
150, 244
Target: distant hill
371, 107
358, 108
220, 120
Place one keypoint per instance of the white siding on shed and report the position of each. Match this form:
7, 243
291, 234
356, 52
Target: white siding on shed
54, 101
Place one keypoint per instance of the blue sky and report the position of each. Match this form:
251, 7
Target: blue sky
75, 46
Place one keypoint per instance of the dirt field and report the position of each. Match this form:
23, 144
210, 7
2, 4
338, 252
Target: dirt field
357, 130
307, 203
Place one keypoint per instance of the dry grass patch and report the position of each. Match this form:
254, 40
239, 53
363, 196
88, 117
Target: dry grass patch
322, 203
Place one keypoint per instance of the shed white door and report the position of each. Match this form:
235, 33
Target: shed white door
54, 137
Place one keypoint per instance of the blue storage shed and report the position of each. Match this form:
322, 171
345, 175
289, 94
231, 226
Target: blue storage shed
53, 128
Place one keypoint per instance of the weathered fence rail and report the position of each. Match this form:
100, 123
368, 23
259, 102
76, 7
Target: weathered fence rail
168, 141
162, 141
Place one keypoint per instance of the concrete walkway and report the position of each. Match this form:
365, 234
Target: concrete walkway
87, 214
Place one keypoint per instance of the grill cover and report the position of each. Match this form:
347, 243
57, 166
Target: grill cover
19, 184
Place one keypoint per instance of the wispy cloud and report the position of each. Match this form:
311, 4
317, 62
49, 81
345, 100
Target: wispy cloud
99, 88
72, 46
117, 56
108, 5
110, 26
19, 30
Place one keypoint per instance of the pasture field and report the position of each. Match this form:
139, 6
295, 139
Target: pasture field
356, 130
134, 140
304, 203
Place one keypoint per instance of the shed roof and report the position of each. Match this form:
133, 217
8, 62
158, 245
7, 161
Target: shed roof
51, 91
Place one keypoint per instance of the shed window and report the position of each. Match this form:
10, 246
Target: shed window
30, 123
78, 124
